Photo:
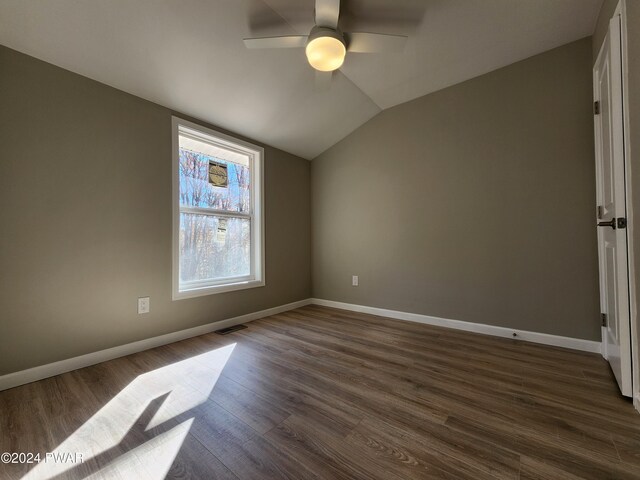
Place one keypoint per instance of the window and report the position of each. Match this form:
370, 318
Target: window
218, 242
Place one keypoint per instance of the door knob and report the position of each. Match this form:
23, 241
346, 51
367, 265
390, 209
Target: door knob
611, 223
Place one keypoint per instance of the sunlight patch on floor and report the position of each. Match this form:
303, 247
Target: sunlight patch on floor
151, 460
152, 400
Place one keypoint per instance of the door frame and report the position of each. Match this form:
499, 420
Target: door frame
633, 308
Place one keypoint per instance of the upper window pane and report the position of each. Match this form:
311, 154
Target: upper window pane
212, 176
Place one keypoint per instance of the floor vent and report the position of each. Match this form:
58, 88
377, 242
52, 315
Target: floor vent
235, 328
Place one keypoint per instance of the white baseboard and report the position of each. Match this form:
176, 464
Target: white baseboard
44, 371
49, 370
543, 338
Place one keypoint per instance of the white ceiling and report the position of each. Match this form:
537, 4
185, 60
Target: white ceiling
189, 56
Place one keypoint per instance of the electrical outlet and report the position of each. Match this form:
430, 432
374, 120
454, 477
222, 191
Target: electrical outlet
354, 280
144, 304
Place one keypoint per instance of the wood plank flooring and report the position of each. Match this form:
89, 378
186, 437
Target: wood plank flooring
320, 393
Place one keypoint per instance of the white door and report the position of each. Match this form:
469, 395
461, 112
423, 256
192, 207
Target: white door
611, 210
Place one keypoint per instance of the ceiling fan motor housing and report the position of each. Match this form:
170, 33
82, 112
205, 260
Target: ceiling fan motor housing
326, 48
326, 32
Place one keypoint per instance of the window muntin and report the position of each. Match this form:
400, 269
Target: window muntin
218, 239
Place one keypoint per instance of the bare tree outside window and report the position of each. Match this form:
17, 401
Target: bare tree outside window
213, 246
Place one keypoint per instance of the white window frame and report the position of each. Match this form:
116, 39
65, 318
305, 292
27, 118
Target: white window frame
256, 278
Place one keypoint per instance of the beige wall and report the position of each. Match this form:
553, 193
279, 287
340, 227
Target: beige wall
85, 189
472, 203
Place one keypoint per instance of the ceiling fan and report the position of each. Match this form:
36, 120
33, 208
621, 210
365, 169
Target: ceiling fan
326, 45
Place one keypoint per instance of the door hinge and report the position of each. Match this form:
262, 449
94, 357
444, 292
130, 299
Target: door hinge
596, 108
604, 319
622, 222
600, 210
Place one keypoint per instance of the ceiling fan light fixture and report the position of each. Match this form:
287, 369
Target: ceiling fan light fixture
325, 49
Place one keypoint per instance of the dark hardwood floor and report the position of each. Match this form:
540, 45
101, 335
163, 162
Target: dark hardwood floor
324, 393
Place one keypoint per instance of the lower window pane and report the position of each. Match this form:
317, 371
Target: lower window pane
212, 248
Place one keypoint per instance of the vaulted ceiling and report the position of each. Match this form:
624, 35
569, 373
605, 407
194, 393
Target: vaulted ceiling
189, 56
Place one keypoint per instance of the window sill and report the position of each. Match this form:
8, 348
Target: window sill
229, 287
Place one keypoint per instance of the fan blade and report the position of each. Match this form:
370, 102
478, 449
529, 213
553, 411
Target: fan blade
374, 42
323, 80
291, 41
327, 13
